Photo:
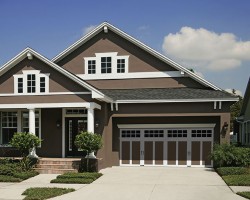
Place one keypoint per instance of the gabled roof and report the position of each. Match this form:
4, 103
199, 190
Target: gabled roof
246, 99
106, 26
28, 51
168, 95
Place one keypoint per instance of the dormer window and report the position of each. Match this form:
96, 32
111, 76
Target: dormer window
105, 64
31, 82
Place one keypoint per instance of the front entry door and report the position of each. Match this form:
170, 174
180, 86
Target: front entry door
73, 126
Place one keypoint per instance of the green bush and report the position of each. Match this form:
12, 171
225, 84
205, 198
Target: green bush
9, 169
225, 171
237, 180
73, 180
25, 175
229, 155
86, 175
45, 193
4, 178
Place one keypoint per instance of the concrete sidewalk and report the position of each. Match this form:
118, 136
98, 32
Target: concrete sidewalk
13, 191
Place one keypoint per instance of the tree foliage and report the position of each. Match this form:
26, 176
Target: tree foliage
235, 110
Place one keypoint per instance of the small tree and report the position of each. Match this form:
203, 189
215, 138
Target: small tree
88, 142
25, 142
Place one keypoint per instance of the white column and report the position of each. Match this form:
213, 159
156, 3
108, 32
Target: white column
32, 129
90, 126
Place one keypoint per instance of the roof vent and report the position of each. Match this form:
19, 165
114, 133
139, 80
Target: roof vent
105, 28
29, 55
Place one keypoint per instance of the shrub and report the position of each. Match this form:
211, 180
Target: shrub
25, 175
237, 180
72, 180
225, 171
228, 155
25, 142
88, 142
9, 169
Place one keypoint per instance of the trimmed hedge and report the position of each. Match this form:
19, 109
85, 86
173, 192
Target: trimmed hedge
237, 180
9, 168
225, 171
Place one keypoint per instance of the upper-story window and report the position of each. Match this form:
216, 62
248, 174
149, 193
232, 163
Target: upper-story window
91, 66
31, 82
106, 67
106, 64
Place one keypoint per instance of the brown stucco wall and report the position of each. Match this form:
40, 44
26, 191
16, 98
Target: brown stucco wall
139, 60
145, 83
51, 134
57, 81
70, 98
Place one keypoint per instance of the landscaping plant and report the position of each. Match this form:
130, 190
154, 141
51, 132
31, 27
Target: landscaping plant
25, 142
88, 142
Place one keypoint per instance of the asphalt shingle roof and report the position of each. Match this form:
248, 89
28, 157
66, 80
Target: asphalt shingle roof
165, 93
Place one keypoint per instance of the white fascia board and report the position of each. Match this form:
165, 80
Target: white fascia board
174, 100
41, 94
145, 126
131, 75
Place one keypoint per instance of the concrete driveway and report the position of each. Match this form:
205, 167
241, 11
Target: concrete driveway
155, 183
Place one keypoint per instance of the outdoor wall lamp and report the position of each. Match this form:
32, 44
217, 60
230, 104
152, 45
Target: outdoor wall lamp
225, 126
97, 124
58, 123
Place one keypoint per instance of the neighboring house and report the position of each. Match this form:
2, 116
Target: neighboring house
148, 109
244, 118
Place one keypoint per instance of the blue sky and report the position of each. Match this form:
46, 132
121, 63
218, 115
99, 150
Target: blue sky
213, 37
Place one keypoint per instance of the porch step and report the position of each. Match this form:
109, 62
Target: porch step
57, 165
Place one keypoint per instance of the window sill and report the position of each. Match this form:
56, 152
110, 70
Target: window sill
5, 145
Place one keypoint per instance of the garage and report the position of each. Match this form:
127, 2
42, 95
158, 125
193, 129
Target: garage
169, 145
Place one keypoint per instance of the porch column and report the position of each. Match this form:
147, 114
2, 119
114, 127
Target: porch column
32, 129
90, 126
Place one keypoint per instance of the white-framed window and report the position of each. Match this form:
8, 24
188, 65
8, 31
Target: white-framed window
106, 64
91, 67
31, 82
13, 121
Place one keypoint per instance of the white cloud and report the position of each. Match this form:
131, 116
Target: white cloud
237, 92
204, 49
88, 29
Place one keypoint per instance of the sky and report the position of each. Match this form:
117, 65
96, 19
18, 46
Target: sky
210, 36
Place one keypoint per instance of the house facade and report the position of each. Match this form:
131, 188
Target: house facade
149, 109
244, 119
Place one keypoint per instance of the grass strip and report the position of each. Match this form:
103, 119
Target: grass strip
45, 193
4, 178
244, 194
72, 180
237, 180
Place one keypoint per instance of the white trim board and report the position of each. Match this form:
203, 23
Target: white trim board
43, 94
52, 105
145, 126
174, 100
106, 25
131, 75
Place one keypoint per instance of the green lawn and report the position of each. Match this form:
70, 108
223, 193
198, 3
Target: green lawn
45, 193
237, 180
244, 194
77, 178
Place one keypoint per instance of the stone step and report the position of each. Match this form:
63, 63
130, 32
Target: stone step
57, 166
54, 171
